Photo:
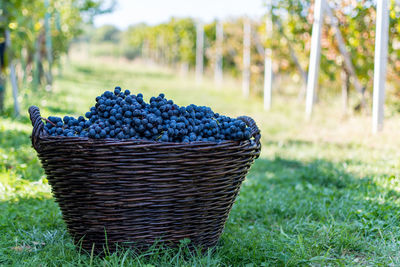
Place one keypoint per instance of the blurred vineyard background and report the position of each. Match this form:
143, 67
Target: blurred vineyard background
39, 36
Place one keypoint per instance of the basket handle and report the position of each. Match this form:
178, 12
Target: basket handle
255, 132
37, 123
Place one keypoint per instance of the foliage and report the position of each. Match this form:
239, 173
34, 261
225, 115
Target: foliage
24, 19
292, 22
174, 42
166, 43
107, 33
357, 25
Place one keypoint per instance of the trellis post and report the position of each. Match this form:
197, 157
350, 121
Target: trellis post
199, 51
246, 57
218, 76
268, 59
48, 42
315, 56
381, 47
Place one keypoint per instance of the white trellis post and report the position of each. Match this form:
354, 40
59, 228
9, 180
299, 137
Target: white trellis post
58, 27
268, 59
315, 55
14, 85
13, 76
218, 76
381, 47
199, 52
246, 57
48, 42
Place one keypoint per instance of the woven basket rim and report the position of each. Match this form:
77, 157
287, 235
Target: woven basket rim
44, 136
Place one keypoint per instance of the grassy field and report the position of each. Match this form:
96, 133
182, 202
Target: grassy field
323, 192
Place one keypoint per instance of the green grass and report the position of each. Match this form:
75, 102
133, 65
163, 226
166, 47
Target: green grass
324, 192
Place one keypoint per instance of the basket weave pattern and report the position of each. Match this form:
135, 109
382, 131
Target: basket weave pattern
138, 192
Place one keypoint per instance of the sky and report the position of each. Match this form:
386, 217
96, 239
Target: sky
128, 12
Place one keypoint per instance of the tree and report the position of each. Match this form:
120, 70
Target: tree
24, 19
107, 33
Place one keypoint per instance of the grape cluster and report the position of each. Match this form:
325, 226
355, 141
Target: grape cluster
122, 115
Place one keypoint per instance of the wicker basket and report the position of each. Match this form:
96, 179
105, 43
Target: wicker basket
137, 192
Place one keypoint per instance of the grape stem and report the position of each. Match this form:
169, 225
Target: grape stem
47, 120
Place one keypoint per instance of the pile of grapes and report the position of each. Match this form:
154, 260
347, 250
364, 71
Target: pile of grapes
121, 115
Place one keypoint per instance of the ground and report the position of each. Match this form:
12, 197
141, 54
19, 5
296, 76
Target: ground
323, 192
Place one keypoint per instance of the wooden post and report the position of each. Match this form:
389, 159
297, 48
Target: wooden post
315, 56
184, 68
13, 76
259, 46
246, 57
58, 27
345, 77
268, 60
296, 61
2, 64
2, 90
145, 49
2, 76
14, 85
23, 66
345, 54
381, 47
218, 75
199, 52
48, 43
156, 52
36, 68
